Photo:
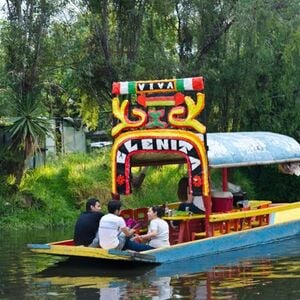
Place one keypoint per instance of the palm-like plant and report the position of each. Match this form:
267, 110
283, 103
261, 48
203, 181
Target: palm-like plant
28, 130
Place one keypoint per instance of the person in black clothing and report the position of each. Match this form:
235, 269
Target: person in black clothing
188, 202
86, 227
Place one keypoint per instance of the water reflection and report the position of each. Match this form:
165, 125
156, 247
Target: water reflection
268, 272
236, 275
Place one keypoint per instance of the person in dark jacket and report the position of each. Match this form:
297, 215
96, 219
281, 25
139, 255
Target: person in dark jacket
86, 227
188, 201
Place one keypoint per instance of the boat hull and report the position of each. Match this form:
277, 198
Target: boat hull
198, 248
228, 242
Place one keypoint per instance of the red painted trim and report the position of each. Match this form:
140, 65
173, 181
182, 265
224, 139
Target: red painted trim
176, 99
225, 179
198, 83
116, 88
64, 243
208, 226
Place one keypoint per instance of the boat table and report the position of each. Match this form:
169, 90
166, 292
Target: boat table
184, 234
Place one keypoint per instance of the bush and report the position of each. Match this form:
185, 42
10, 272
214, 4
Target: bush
159, 187
271, 184
54, 195
73, 178
61, 188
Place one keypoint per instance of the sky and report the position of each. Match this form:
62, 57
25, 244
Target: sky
63, 15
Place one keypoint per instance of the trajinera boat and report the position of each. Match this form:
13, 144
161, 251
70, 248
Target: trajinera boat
156, 123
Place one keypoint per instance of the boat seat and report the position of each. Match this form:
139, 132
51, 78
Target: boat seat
127, 213
263, 219
141, 217
198, 235
241, 223
173, 234
196, 229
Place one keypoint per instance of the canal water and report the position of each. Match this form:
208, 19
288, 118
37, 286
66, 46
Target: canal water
266, 272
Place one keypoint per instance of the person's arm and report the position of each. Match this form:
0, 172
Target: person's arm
181, 206
152, 232
148, 236
128, 232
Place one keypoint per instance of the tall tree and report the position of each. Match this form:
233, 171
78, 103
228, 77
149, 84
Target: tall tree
24, 37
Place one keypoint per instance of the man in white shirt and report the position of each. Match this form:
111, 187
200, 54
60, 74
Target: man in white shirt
112, 228
113, 232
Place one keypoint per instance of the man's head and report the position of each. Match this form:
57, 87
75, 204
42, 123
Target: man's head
113, 206
93, 204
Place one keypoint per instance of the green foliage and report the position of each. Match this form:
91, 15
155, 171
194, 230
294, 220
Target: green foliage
241, 178
89, 112
159, 186
63, 186
72, 178
24, 59
247, 51
28, 129
15, 214
271, 184
53, 195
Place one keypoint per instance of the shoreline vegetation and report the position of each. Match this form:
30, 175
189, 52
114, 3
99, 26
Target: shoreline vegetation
56, 71
53, 196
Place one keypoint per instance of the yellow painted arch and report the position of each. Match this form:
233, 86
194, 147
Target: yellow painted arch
163, 134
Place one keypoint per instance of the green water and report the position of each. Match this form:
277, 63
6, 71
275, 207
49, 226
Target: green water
268, 272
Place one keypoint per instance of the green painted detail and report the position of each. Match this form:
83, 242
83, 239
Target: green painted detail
131, 87
155, 121
179, 85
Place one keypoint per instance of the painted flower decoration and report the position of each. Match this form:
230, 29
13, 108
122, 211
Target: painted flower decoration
120, 179
197, 181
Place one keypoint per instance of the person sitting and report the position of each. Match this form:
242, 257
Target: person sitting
86, 227
158, 232
190, 203
113, 232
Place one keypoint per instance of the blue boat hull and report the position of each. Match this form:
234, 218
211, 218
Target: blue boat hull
229, 242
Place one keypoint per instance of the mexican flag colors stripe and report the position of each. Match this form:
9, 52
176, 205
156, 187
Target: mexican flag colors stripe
158, 86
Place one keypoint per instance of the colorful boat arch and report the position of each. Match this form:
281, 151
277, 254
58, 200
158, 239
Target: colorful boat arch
180, 142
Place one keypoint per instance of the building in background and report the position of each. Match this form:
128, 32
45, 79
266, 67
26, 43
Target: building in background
67, 136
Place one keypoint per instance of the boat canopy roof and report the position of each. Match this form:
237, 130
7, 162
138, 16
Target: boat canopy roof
234, 149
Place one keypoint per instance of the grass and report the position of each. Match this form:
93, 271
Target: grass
53, 196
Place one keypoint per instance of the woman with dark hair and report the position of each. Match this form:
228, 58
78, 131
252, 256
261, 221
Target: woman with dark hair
188, 202
158, 231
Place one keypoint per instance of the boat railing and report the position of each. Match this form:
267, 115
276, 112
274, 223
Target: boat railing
223, 223
245, 218
252, 212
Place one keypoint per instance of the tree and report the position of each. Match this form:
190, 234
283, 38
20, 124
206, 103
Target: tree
27, 132
24, 37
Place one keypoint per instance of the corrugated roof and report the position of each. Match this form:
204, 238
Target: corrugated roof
233, 149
